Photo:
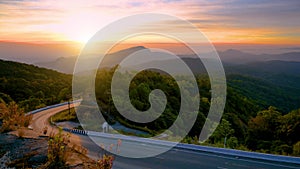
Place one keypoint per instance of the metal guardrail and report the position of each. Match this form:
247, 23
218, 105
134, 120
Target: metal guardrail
212, 150
76, 131
52, 106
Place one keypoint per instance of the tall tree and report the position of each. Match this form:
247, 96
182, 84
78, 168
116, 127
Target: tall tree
262, 129
224, 130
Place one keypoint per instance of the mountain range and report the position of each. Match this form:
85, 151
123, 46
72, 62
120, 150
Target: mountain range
230, 58
269, 79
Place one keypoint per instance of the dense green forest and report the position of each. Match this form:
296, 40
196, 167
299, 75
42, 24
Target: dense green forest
248, 124
32, 87
279, 90
259, 116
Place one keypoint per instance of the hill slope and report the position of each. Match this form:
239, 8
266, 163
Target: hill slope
32, 86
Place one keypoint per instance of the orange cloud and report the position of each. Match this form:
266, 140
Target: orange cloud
223, 22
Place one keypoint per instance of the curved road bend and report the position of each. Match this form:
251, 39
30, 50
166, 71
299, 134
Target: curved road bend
173, 159
41, 120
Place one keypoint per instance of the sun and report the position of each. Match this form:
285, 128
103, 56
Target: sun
79, 27
81, 38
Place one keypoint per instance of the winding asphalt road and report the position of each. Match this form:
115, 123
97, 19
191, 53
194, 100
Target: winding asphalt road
173, 159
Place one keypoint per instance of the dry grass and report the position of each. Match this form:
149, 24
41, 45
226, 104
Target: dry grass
65, 116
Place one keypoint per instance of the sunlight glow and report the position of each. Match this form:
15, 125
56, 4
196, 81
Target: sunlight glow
78, 21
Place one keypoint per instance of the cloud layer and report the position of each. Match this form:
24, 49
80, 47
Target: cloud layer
245, 21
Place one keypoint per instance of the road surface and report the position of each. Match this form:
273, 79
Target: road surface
184, 159
173, 159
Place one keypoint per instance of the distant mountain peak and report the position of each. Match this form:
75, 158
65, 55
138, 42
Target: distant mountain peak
138, 47
132, 49
60, 58
233, 51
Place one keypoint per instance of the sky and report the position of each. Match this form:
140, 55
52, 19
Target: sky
274, 22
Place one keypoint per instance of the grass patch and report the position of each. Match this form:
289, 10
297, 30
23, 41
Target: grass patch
145, 129
65, 116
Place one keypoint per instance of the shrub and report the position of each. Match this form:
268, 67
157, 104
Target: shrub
13, 117
57, 150
284, 149
296, 149
232, 142
106, 162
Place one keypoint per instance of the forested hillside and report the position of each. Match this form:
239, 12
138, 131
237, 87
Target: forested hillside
32, 87
251, 120
266, 92
247, 123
